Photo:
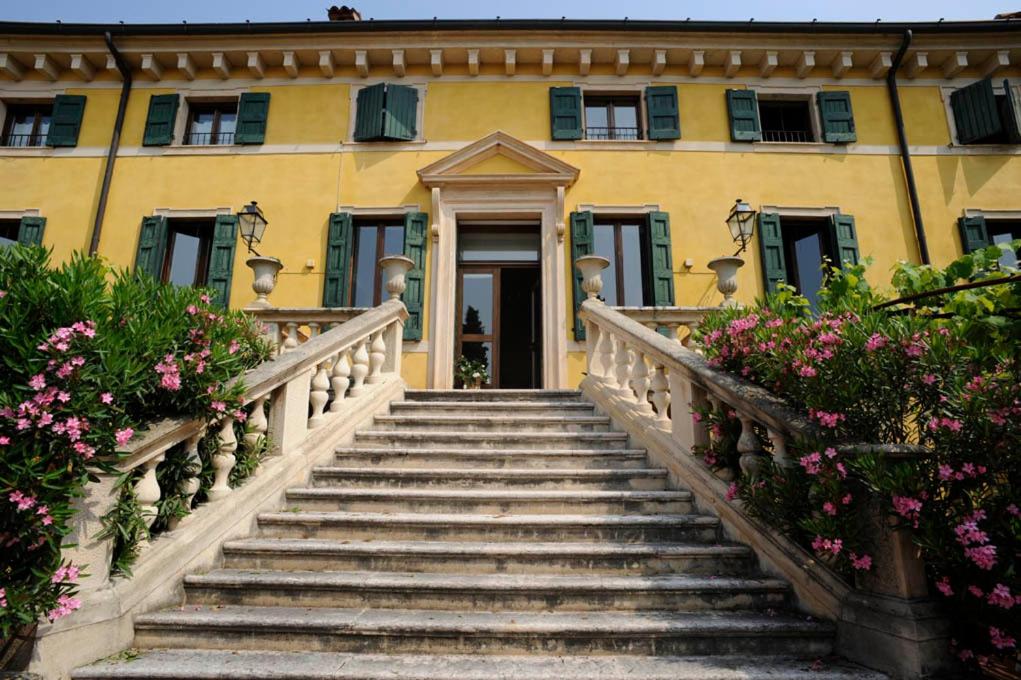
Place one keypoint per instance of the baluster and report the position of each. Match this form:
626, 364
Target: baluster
223, 460
291, 341
318, 394
190, 485
257, 424
672, 330
750, 448
604, 355
275, 336
340, 379
780, 455
692, 343
660, 393
640, 381
314, 329
147, 491
376, 358
622, 359
360, 367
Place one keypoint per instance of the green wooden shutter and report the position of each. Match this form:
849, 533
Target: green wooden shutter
774, 265
743, 109
1010, 113
30, 230
975, 112
663, 114
152, 246
974, 234
565, 113
221, 257
837, 117
338, 261
400, 113
416, 226
661, 266
582, 243
159, 124
844, 239
66, 120
253, 114
369, 112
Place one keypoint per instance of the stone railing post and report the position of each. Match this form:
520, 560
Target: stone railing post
750, 447
660, 387
257, 424
288, 421
377, 355
359, 367
640, 380
319, 394
394, 338
147, 490
223, 460
190, 486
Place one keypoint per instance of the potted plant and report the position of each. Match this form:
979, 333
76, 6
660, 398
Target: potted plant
472, 374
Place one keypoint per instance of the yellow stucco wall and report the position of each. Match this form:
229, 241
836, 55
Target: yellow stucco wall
300, 176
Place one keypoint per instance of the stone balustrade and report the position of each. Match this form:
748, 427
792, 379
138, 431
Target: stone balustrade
680, 323
288, 327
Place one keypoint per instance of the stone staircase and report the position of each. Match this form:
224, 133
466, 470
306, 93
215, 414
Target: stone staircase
484, 536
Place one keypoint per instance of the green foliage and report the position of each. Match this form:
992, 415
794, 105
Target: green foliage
935, 364
88, 355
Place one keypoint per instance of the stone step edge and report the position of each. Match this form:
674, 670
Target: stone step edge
491, 453
493, 404
460, 434
414, 493
492, 473
462, 520
500, 419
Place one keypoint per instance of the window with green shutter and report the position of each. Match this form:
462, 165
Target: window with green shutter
30, 230
660, 259
565, 113
974, 234
836, 116
796, 250
582, 243
159, 123
985, 116
338, 260
662, 111
253, 115
843, 240
221, 258
743, 109
152, 245
771, 250
385, 112
416, 227
66, 120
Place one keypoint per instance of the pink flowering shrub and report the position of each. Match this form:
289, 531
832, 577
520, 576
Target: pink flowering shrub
943, 373
79, 350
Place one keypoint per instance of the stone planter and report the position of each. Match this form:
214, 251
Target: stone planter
591, 267
265, 270
726, 277
395, 268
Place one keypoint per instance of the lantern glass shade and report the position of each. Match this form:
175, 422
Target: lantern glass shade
252, 223
741, 222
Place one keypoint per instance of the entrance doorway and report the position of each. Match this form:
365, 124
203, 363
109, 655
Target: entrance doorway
499, 302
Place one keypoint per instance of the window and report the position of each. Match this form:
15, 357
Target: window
9, 232
27, 124
211, 123
373, 240
613, 117
385, 112
805, 249
186, 262
622, 243
983, 115
1005, 232
786, 120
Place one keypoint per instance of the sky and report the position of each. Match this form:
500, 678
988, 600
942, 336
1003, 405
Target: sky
134, 11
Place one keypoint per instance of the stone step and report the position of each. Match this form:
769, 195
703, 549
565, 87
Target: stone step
646, 479
489, 592
618, 559
492, 423
479, 632
200, 664
479, 408
491, 440
489, 501
468, 527
493, 458
493, 395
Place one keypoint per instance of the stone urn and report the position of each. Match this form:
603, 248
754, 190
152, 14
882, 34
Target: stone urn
395, 268
726, 277
591, 268
265, 270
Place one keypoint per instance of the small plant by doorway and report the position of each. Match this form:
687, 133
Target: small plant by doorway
470, 374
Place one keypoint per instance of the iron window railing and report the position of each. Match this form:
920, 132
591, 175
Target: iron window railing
605, 133
24, 140
786, 136
209, 138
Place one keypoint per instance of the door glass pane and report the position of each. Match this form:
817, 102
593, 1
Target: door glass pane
631, 245
505, 246
604, 247
480, 351
1009, 257
477, 304
808, 262
393, 240
184, 260
365, 267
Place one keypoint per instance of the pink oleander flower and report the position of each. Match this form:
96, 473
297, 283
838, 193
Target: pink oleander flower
829, 509
1001, 597
84, 450
841, 470
106, 398
975, 591
984, 556
3, 591
824, 545
233, 347
846, 500
943, 586
192, 310
239, 415
4, 440
876, 341
965, 654
205, 298
863, 563
1000, 639
830, 452
811, 463
830, 420
23, 501
807, 372
731, 492
124, 436
945, 472
697, 417
907, 507
65, 605
68, 573
929, 379
218, 406
1012, 509
37, 382
968, 532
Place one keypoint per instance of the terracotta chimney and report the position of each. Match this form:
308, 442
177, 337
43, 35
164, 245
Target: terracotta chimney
343, 13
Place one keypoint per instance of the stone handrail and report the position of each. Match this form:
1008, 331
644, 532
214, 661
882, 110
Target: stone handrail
650, 385
674, 319
302, 390
288, 327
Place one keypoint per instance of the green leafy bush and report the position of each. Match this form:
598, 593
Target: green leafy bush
942, 372
89, 355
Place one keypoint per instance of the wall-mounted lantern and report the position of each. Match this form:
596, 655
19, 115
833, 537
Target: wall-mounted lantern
741, 223
253, 225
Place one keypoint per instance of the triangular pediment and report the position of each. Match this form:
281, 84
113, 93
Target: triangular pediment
500, 159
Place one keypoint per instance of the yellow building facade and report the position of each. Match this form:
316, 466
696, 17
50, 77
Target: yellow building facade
496, 152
